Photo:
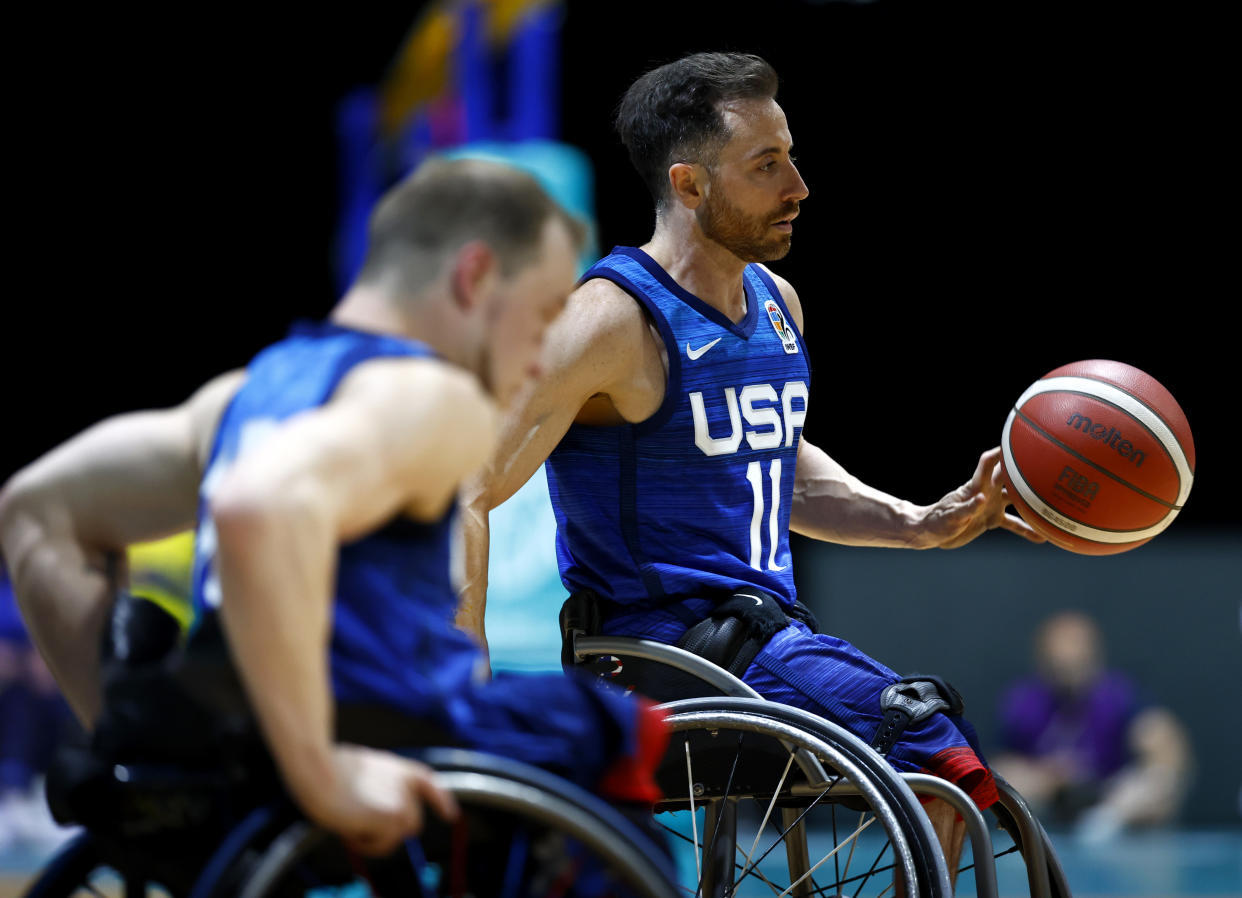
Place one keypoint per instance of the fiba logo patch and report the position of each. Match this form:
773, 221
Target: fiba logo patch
788, 341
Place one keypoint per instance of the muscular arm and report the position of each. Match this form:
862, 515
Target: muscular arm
598, 357
66, 519
322, 479
831, 504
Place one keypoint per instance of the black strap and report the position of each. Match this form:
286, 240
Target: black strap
732, 634
737, 628
910, 700
581, 615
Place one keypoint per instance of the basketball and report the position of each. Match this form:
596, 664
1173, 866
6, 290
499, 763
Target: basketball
1098, 457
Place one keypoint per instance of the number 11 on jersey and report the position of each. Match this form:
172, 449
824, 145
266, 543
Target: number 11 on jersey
754, 474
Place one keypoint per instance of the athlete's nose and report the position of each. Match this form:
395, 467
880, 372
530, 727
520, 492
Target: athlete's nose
796, 190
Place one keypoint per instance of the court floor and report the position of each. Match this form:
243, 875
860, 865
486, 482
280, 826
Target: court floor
1168, 864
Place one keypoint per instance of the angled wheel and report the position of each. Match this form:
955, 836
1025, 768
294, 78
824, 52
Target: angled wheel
81, 870
1044, 874
521, 832
770, 800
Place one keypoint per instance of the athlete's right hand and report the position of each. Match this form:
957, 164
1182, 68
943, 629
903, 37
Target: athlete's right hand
376, 799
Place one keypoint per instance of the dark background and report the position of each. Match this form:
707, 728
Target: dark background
995, 191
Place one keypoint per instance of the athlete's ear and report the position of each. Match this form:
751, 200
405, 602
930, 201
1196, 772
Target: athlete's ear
686, 181
475, 272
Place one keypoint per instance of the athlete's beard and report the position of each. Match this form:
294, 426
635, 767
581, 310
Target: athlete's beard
749, 237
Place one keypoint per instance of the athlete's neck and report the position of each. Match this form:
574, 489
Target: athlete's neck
374, 310
702, 267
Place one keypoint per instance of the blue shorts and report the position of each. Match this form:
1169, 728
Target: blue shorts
564, 724
830, 678
11, 627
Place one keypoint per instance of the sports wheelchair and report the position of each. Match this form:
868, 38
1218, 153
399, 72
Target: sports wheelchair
177, 796
522, 832
792, 802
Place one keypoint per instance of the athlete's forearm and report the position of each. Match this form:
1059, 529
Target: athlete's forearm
475, 535
831, 504
275, 563
64, 590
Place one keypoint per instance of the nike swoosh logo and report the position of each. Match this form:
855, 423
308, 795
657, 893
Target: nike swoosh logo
758, 601
695, 353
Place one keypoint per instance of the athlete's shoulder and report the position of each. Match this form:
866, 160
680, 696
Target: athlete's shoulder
427, 384
788, 294
435, 418
603, 314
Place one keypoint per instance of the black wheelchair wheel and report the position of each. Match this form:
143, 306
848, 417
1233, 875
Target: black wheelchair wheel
522, 832
773, 780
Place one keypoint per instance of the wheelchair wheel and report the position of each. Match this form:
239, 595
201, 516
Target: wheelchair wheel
522, 832
1044, 874
749, 788
78, 870
88, 866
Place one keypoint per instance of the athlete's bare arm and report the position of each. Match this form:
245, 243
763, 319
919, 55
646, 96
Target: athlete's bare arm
66, 519
831, 504
601, 365
397, 438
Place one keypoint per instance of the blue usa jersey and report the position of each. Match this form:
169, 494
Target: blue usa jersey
695, 499
393, 640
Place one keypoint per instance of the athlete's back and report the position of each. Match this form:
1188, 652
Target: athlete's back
393, 641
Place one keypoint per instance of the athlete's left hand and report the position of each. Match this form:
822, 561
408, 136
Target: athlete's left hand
975, 507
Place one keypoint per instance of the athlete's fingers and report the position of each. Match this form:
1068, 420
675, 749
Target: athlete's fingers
378, 842
423, 787
1015, 524
985, 470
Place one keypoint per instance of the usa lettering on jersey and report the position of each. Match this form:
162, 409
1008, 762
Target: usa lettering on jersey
768, 425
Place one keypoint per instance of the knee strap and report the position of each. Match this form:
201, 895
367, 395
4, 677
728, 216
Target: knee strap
913, 699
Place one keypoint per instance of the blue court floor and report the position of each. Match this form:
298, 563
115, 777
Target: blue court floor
1165, 864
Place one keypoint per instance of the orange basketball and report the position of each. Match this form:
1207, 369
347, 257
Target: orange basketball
1098, 457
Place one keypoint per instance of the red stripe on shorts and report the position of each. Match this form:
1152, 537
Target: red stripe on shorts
631, 778
962, 767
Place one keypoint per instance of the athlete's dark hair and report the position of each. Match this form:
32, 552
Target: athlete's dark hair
672, 113
445, 204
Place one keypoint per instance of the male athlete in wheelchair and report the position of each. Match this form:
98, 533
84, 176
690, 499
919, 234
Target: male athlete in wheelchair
321, 482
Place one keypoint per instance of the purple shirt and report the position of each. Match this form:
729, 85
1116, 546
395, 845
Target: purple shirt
1088, 731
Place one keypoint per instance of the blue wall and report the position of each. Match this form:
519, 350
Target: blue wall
1169, 613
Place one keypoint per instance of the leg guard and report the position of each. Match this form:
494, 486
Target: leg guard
910, 700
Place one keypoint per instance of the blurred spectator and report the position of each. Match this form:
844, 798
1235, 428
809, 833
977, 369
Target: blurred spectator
33, 718
1082, 747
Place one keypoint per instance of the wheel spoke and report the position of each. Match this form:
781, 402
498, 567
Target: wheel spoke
694, 824
768, 813
851, 839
